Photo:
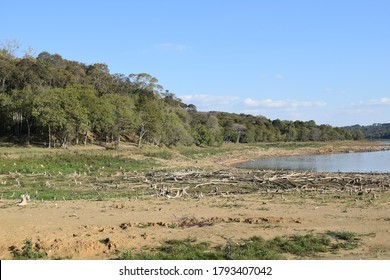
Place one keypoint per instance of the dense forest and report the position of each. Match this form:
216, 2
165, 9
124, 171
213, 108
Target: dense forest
370, 132
49, 100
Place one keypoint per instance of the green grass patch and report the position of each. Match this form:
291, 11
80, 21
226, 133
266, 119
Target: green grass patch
161, 153
254, 248
195, 152
69, 176
345, 240
70, 163
187, 249
66, 194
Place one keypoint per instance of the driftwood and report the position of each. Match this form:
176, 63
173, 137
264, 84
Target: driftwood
227, 182
24, 199
199, 183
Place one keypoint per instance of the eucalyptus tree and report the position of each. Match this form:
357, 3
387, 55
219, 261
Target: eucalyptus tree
239, 129
49, 112
118, 116
203, 136
62, 112
7, 67
75, 104
100, 78
145, 84
213, 125
5, 112
149, 119
22, 106
174, 131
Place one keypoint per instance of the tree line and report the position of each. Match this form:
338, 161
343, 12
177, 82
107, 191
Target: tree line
375, 131
51, 100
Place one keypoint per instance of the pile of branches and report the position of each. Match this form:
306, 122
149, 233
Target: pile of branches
197, 183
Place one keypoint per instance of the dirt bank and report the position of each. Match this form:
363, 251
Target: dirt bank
102, 229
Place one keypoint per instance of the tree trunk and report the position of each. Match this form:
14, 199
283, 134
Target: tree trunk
49, 137
141, 135
3, 85
238, 137
85, 139
140, 140
117, 142
28, 132
64, 142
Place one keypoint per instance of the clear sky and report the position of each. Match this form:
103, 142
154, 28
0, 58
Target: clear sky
325, 60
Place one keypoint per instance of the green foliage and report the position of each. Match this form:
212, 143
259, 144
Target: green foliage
149, 120
174, 131
375, 131
119, 119
49, 99
28, 252
203, 136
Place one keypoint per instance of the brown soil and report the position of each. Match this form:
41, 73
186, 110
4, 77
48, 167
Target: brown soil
102, 229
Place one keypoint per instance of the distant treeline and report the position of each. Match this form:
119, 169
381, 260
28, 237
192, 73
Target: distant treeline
374, 131
53, 101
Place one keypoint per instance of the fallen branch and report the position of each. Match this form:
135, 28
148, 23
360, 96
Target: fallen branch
24, 199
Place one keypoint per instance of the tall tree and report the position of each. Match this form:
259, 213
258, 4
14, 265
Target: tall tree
5, 112
145, 84
7, 64
239, 130
212, 124
22, 105
173, 131
48, 112
149, 119
121, 115
100, 78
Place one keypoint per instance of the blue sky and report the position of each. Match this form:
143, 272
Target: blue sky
325, 60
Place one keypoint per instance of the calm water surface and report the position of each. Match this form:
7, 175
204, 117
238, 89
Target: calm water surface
351, 162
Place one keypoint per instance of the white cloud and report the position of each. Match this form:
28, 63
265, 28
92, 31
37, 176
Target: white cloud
369, 104
381, 101
170, 47
279, 76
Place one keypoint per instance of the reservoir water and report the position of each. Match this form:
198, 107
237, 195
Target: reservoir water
378, 162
